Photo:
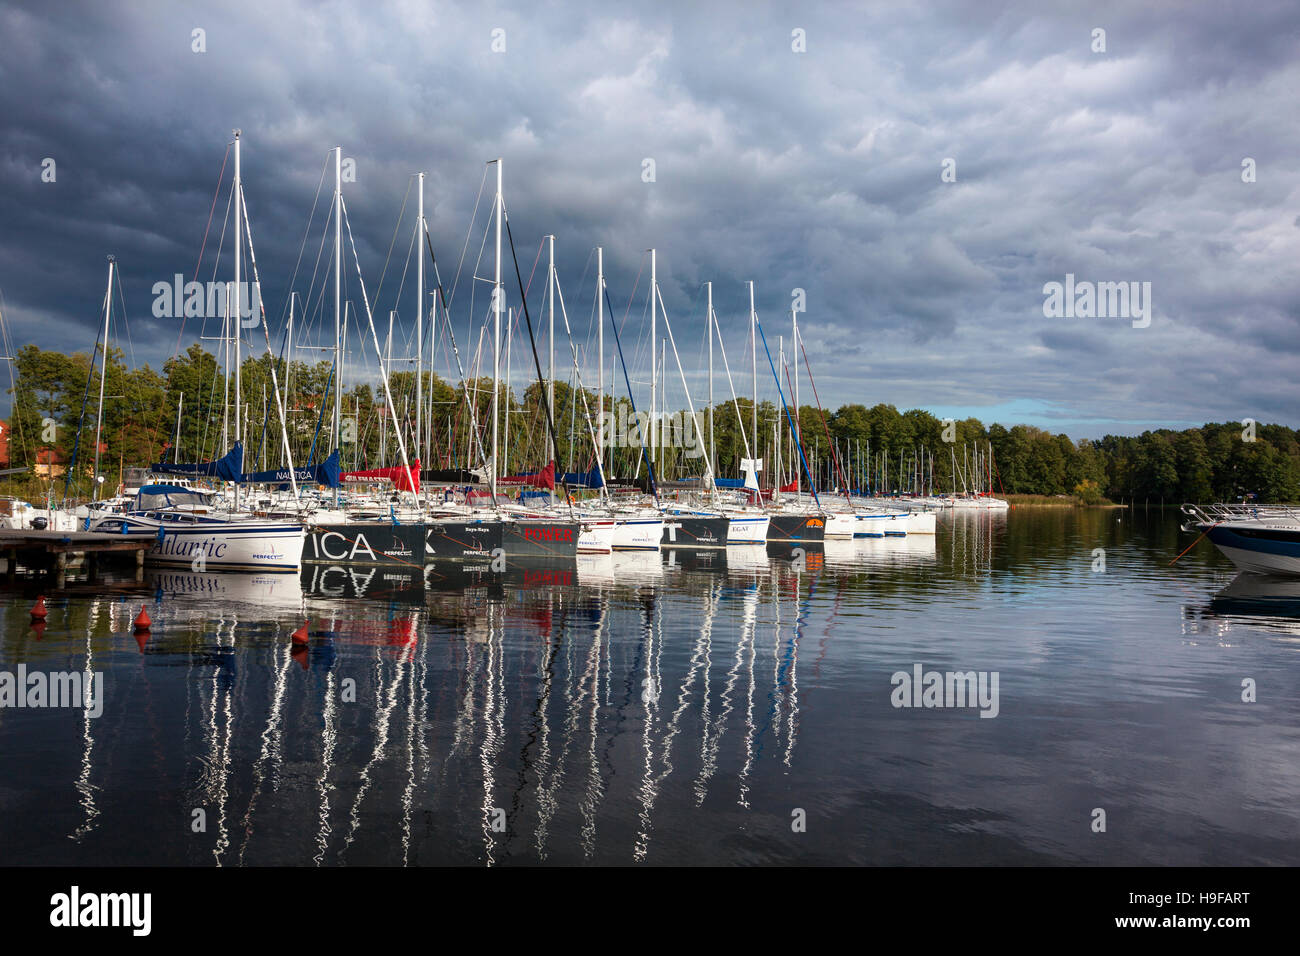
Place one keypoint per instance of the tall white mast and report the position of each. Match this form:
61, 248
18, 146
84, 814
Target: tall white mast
237, 319
753, 367
600, 353
708, 322
103, 369
654, 358
498, 294
419, 326
798, 438
550, 339
338, 307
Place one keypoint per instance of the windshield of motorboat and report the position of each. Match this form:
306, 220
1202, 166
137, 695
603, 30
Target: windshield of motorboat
155, 497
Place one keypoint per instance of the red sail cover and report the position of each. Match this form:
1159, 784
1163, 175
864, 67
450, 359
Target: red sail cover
403, 479
790, 488
538, 479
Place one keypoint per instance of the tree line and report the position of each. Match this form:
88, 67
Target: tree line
56, 400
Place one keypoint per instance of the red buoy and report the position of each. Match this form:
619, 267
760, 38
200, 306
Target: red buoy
300, 635
142, 622
39, 613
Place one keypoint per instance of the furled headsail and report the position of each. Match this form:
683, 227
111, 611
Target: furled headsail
228, 467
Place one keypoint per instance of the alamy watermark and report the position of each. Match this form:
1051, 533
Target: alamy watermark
75, 908
1100, 300
207, 300
951, 689
54, 689
676, 430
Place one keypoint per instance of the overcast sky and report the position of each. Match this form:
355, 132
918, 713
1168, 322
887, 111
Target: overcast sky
819, 169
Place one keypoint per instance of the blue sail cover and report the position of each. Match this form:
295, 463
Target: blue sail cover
326, 473
729, 482
583, 479
227, 468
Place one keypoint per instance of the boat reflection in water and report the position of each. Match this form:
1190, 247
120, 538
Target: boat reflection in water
666, 708
236, 587
479, 716
1259, 600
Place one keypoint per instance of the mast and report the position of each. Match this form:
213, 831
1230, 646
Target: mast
753, 367
498, 293
600, 355
654, 369
550, 342
798, 425
713, 463
103, 370
338, 307
237, 319
419, 327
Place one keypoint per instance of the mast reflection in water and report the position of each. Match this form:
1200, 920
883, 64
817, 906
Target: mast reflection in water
688, 707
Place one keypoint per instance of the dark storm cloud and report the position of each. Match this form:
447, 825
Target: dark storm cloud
817, 170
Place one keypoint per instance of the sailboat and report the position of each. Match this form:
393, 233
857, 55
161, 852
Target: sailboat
694, 524
492, 522
190, 526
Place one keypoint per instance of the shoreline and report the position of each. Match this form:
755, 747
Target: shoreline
1052, 501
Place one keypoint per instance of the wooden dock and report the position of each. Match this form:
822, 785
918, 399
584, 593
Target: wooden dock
49, 550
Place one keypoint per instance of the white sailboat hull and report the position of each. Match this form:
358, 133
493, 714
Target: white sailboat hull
748, 529
638, 534
596, 536
841, 524
921, 522
883, 525
214, 545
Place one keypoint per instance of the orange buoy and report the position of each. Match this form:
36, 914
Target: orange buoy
300, 635
142, 622
39, 612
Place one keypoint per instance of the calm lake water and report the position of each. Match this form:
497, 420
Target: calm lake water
675, 709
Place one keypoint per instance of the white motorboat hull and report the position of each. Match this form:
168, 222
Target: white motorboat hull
1260, 546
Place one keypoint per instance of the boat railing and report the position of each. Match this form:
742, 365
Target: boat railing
1239, 511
